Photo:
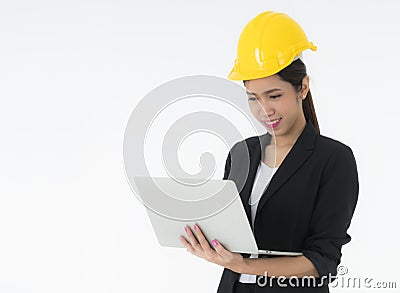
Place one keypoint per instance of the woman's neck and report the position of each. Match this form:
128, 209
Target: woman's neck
290, 138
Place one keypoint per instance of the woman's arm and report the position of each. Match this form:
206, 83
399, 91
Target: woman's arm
287, 266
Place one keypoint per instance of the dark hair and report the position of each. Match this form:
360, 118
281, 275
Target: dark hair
294, 74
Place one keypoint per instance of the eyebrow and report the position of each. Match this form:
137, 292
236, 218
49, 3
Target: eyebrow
264, 93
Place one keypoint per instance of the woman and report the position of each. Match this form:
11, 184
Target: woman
308, 203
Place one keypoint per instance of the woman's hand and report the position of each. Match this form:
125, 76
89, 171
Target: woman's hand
219, 255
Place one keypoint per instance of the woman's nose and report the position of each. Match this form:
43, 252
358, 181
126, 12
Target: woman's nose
265, 108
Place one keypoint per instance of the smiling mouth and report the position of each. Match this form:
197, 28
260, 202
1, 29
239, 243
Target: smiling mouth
272, 121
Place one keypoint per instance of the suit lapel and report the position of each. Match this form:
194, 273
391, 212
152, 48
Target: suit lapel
255, 155
244, 166
298, 154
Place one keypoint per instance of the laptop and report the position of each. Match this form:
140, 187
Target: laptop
213, 204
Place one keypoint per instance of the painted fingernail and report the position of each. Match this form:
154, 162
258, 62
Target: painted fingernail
186, 229
215, 242
195, 227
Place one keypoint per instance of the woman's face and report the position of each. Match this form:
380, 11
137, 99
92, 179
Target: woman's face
276, 104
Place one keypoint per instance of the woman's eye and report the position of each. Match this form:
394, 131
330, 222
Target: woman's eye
274, 97
252, 98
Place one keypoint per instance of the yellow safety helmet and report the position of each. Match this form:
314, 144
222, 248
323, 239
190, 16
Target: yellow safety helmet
267, 44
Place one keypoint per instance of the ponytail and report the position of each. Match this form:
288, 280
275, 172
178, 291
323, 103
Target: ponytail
294, 74
309, 111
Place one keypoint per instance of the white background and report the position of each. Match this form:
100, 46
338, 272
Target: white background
71, 72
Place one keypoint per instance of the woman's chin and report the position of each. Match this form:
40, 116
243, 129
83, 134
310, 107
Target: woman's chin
269, 130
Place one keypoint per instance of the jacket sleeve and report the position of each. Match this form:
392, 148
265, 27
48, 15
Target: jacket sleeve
334, 208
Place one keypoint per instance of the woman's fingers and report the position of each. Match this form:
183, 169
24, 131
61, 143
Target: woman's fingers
222, 251
231, 260
199, 246
203, 242
200, 236
187, 244
198, 243
192, 239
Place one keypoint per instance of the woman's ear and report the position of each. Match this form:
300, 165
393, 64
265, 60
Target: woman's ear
305, 86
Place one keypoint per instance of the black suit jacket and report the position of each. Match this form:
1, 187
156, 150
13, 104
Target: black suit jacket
308, 205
